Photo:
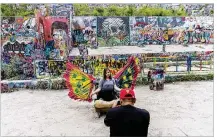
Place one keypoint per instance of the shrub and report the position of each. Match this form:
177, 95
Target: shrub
58, 84
42, 85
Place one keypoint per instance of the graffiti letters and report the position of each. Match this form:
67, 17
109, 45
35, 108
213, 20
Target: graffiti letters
14, 47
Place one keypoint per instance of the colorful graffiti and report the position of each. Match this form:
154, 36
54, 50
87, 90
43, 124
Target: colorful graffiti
56, 68
95, 65
49, 68
61, 9
17, 29
18, 46
113, 31
171, 30
114, 65
84, 31
25, 40
53, 34
41, 69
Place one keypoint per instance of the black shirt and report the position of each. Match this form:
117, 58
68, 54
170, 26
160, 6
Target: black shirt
127, 121
107, 92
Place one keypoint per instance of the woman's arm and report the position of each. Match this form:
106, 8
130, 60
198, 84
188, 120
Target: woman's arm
98, 89
116, 87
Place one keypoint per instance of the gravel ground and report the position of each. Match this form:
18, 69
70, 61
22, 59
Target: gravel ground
181, 109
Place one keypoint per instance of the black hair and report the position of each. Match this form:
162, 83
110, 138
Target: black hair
104, 73
133, 100
128, 95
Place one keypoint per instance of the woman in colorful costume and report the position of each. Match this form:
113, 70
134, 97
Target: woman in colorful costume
106, 91
81, 84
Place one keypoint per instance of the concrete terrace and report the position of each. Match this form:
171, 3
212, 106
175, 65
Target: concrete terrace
146, 49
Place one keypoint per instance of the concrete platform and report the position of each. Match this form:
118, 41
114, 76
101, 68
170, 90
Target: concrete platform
146, 49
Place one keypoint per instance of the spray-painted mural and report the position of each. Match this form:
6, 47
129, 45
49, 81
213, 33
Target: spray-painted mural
60, 10
18, 44
113, 31
171, 30
56, 68
41, 68
49, 68
84, 31
27, 39
24, 40
53, 35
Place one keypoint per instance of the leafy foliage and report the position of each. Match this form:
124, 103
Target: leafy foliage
10, 70
16, 10
129, 10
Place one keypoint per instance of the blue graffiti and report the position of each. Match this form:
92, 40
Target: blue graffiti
28, 49
48, 48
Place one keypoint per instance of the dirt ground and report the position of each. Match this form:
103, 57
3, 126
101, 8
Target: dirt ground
181, 109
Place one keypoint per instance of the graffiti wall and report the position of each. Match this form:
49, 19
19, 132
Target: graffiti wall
56, 68
171, 30
113, 31
54, 37
22, 44
49, 68
61, 10
18, 47
25, 40
84, 31
114, 65
17, 28
41, 69
95, 64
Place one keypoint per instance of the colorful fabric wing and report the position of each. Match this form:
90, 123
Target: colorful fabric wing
126, 77
79, 83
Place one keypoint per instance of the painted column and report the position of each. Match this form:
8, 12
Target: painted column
176, 64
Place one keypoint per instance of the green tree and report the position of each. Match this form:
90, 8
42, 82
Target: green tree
211, 12
82, 10
113, 10
7, 10
131, 10
16, 10
99, 11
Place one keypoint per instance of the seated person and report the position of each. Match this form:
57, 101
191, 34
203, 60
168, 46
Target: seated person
149, 75
106, 95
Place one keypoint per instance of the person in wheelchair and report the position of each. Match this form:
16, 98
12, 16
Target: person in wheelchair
106, 92
158, 74
157, 79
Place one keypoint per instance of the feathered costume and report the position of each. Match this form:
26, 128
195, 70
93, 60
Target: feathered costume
81, 84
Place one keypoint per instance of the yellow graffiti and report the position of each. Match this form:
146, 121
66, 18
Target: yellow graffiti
98, 70
54, 66
63, 50
170, 32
